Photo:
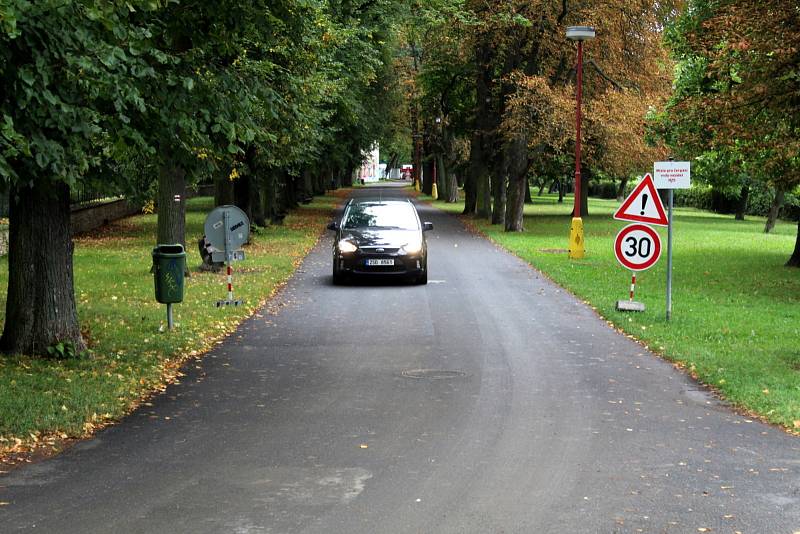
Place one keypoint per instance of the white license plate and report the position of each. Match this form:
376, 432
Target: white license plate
380, 262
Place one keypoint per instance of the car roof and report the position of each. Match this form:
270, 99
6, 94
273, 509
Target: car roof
378, 202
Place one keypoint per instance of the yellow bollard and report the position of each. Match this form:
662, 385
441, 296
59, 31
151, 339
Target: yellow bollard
434, 192
576, 243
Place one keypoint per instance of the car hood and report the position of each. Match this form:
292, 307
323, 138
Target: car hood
380, 238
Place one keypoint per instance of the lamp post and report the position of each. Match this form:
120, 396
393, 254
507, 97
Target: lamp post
576, 243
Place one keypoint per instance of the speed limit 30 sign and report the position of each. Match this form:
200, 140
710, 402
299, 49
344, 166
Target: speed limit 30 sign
637, 247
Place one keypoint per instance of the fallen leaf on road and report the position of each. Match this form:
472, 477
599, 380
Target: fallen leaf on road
364, 446
704, 529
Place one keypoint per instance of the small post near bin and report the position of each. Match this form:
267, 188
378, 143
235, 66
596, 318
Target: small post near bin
169, 265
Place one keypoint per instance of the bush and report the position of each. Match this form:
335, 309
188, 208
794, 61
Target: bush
603, 189
697, 196
759, 200
791, 207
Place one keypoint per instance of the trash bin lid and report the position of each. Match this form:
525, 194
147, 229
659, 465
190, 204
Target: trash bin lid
168, 249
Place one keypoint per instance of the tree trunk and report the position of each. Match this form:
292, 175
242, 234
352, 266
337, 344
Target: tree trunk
561, 191
242, 197
442, 177
794, 261
516, 203
307, 185
484, 197
171, 205
528, 198
515, 155
429, 161
471, 179
271, 195
741, 206
452, 188
427, 175
416, 173
259, 218
40, 304
623, 183
774, 210
498, 198
223, 192
288, 192
346, 178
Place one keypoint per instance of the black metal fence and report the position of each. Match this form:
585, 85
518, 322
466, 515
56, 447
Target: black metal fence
80, 195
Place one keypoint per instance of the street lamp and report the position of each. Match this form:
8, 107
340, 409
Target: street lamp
576, 243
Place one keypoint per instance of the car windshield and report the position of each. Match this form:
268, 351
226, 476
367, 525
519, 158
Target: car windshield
398, 215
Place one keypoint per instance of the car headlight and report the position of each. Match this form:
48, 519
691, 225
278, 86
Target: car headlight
346, 246
415, 247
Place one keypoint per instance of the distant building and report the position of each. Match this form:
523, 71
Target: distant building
370, 169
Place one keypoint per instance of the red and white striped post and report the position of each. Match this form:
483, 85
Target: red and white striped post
633, 284
230, 282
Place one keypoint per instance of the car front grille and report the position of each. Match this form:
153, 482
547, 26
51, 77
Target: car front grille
368, 251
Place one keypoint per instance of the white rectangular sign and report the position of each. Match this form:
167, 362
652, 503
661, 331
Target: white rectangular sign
672, 174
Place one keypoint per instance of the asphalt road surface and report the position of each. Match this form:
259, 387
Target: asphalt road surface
488, 401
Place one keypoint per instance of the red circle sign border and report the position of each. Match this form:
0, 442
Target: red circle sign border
618, 247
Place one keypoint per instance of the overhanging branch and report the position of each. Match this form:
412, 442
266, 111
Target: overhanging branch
605, 76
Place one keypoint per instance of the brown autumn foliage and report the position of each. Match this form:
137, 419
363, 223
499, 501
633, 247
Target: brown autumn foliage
626, 71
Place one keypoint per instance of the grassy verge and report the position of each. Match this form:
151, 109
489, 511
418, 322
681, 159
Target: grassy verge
43, 401
736, 309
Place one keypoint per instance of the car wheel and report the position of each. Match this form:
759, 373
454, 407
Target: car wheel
422, 279
338, 276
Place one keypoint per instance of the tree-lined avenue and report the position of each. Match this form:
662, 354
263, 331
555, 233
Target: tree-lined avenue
489, 400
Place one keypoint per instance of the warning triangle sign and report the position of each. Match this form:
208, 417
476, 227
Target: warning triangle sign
643, 205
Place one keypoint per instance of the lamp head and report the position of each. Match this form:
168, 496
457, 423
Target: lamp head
580, 33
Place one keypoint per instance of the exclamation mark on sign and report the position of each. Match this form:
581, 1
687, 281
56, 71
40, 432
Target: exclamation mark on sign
644, 203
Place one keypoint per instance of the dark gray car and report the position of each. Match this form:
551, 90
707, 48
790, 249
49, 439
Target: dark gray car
380, 237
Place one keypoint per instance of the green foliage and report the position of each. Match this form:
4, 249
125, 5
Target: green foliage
67, 83
64, 351
604, 189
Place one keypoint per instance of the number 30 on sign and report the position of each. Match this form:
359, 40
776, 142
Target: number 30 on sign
637, 247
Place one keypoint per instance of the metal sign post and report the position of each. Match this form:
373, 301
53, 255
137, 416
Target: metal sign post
671, 175
669, 256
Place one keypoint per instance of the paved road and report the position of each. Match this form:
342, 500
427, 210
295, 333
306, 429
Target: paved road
488, 401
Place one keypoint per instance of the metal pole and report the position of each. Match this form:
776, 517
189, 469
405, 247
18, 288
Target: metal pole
577, 206
170, 324
669, 257
633, 285
576, 242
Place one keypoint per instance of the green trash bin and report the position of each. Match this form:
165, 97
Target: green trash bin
169, 265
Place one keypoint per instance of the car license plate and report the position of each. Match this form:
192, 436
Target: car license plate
380, 262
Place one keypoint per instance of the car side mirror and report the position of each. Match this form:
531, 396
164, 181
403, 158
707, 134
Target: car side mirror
427, 226
333, 225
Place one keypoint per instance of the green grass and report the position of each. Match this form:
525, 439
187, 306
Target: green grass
43, 399
736, 309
